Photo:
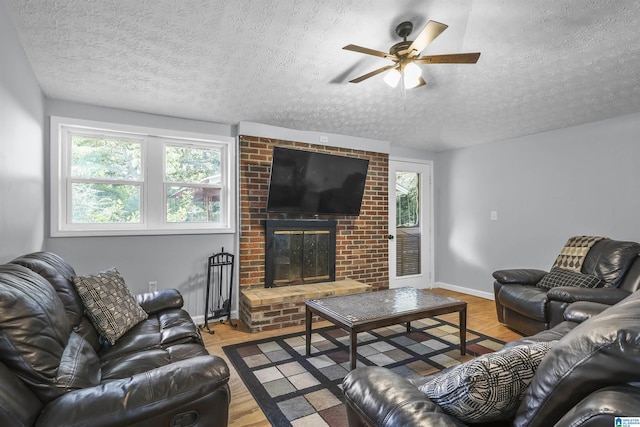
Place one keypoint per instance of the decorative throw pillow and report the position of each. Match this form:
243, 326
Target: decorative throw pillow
575, 251
561, 277
109, 304
489, 387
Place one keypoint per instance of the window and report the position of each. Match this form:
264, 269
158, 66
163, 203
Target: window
408, 230
407, 199
109, 179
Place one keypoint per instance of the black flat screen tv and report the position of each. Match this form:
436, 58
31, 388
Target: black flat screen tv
306, 182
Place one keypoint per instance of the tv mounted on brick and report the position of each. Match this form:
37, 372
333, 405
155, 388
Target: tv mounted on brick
307, 182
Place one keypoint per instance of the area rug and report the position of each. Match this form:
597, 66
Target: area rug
295, 390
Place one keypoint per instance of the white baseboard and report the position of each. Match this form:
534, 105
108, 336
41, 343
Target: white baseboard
426, 286
468, 291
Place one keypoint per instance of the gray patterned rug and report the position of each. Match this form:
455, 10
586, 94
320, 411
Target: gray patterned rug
295, 390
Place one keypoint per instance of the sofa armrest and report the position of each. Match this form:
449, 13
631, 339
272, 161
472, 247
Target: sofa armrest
609, 296
603, 406
150, 398
164, 299
377, 396
582, 310
520, 276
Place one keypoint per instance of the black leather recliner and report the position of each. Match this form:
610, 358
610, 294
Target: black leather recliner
587, 378
528, 309
54, 370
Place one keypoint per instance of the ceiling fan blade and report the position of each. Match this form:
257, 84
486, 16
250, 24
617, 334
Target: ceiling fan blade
454, 58
371, 74
368, 51
432, 30
421, 82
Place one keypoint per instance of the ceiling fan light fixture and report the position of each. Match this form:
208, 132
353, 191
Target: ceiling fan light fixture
406, 54
392, 78
412, 75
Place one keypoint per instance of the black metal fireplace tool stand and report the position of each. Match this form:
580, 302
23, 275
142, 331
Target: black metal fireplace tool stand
219, 289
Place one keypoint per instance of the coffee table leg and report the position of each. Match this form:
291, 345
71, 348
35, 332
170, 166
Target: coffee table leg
463, 331
308, 319
353, 344
408, 327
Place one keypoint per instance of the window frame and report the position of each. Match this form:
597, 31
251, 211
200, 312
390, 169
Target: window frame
153, 202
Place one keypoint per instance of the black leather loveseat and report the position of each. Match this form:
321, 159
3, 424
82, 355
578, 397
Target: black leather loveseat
523, 305
586, 378
57, 370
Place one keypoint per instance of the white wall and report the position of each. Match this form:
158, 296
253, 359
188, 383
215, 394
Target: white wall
176, 261
546, 188
409, 154
21, 149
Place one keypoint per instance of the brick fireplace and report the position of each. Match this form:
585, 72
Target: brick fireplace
361, 245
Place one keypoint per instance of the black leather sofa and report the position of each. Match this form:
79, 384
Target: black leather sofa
586, 379
55, 370
528, 309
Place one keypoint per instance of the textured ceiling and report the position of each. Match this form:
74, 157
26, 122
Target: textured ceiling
545, 64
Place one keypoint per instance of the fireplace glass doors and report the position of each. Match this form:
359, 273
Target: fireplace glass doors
299, 251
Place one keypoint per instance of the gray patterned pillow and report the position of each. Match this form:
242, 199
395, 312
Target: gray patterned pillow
560, 277
109, 304
489, 387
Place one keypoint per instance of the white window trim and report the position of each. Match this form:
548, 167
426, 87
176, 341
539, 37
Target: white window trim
153, 203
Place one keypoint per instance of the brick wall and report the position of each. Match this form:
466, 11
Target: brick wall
361, 243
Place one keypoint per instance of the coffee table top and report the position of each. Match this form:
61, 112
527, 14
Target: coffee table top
390, 302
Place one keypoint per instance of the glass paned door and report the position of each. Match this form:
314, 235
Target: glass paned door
408, 227
409, 224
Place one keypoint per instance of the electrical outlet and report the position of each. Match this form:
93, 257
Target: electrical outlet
153, 286
494, 215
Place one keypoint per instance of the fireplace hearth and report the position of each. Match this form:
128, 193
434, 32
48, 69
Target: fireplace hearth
299, 252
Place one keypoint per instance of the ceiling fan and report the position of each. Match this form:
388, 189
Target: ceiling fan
406, 54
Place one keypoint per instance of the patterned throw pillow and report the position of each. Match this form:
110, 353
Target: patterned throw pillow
109, 304
575, 251
489, 387
561, 277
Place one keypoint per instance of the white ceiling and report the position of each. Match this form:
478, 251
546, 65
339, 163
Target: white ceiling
545, 64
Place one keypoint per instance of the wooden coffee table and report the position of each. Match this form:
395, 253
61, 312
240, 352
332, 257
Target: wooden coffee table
366, 311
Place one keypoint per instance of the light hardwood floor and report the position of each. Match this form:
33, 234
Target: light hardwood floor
245, 412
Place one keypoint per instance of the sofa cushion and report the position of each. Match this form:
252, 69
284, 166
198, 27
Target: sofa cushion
110, 305
488, 388
79, 365
160, 330
560, 277
610, 260
36, 338
145, 360
59, 274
